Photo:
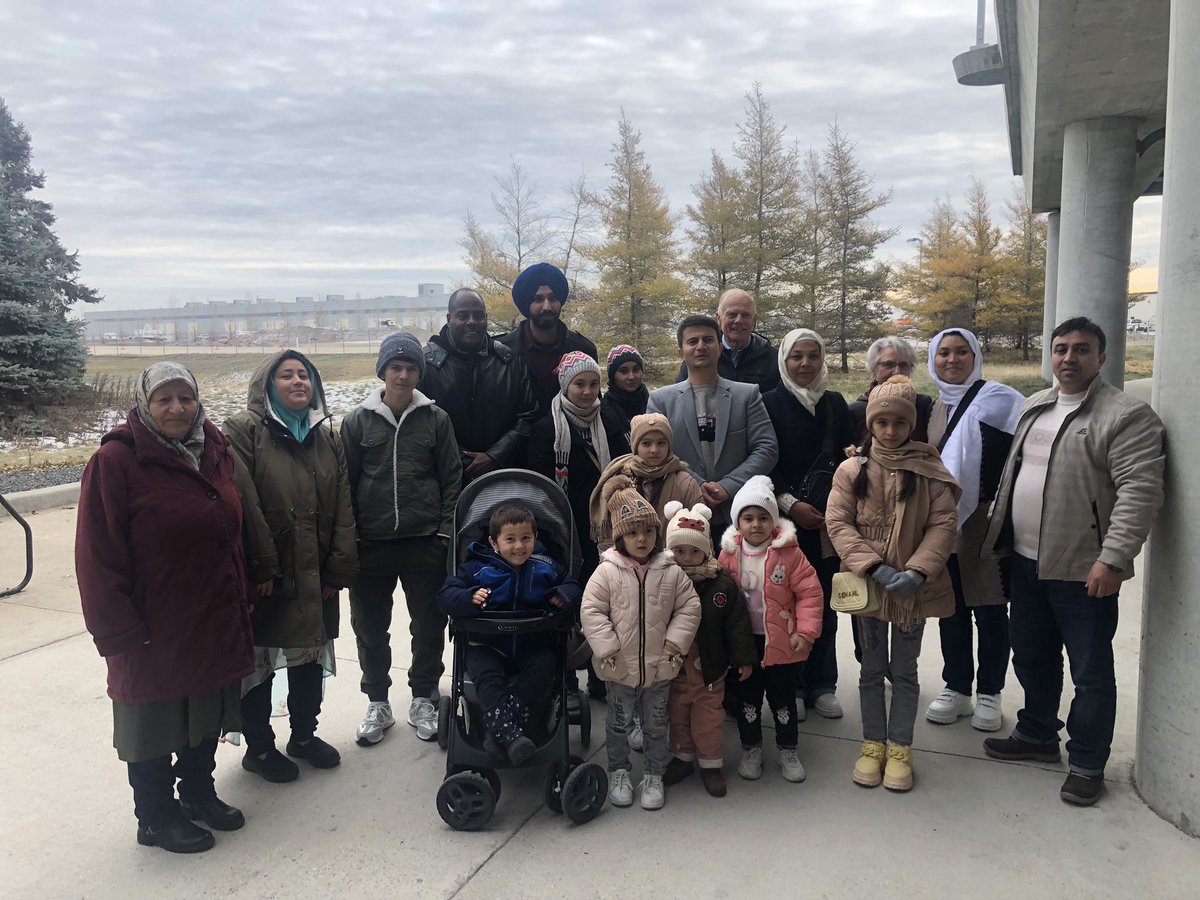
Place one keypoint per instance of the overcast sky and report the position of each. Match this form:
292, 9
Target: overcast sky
209, 150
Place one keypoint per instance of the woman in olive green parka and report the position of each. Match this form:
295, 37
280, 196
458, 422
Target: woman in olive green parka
300, 549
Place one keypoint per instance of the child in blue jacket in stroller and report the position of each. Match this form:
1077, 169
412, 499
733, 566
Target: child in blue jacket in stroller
513, 572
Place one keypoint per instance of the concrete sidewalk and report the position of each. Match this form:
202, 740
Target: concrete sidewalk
971, 827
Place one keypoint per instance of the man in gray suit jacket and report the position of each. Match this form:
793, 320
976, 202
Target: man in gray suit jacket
721, 427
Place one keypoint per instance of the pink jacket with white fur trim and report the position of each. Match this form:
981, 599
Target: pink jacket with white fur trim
792, 598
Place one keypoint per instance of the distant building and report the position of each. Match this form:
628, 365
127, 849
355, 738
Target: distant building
205, 321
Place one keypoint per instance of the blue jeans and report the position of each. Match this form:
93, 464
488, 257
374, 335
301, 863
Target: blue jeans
1045, 617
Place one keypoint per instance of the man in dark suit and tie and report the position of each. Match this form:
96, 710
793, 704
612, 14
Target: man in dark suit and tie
721, 427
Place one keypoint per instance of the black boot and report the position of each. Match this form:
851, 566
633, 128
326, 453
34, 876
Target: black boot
175, 834
214, 813
504, 724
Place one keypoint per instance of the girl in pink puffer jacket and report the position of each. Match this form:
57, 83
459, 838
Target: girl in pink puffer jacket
786, 603
640, 613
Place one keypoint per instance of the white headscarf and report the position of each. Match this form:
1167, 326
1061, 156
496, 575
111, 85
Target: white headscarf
952, 394
811, 395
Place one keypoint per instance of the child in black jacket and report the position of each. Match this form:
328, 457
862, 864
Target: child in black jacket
725, 640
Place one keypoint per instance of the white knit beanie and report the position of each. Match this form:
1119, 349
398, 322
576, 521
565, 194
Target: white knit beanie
689, 527
757, 491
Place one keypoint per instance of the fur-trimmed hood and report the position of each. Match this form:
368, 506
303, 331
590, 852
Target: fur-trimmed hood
374, 403
783, 536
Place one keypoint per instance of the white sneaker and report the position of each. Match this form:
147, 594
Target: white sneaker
948, 707
637, 740
651, 789
789, 763
620, 788
750, 767
988, 716
828, 706
378, 719
423, 716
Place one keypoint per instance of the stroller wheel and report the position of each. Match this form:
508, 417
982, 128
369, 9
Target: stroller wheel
490, 775
465, 801
444, 714
552, 784
584, 792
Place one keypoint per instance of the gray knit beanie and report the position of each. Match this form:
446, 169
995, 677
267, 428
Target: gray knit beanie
400, 345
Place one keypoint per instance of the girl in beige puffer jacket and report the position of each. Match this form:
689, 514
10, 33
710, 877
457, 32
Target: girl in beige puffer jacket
640, 613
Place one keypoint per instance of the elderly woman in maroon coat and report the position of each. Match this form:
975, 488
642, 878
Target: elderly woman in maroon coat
162, 577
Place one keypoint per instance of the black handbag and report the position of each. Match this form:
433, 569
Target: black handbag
817, 482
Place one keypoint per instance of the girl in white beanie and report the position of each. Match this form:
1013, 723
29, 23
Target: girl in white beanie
785, 601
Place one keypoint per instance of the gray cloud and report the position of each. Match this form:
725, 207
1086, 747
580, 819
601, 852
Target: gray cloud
215, 149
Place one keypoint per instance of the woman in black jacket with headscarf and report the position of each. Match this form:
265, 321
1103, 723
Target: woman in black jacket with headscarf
625, 398
814, 428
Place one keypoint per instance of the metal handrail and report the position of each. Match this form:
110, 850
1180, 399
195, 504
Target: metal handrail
28, 549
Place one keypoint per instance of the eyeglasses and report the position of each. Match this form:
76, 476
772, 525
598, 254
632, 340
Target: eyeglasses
892, 364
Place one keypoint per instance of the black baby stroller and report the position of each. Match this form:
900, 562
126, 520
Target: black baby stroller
467, 796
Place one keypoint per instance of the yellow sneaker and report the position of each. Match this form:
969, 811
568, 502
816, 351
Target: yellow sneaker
868, 771
898, 774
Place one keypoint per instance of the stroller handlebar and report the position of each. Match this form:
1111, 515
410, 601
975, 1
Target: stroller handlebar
515, 622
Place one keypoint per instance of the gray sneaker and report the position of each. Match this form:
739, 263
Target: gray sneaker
377, 720
423, 716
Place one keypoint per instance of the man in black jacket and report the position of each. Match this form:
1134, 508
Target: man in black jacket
482, 385
541, 340
405, 475
746, 356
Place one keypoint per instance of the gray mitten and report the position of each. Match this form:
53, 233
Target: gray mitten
905, 584
883, 574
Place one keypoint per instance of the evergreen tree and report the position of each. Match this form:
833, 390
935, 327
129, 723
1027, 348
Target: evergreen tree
1023, 277
41, 352
639, 291
770, 204
858, 285
977, 269
811, 267
716, 233
923, 284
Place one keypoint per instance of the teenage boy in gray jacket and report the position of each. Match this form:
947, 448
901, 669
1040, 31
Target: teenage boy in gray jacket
1080, 491
405, 476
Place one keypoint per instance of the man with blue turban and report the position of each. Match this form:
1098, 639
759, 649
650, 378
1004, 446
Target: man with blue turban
541, 340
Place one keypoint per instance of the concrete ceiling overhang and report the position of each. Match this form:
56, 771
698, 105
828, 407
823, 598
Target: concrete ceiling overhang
1071, 60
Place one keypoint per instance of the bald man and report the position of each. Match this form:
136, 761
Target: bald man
746, 356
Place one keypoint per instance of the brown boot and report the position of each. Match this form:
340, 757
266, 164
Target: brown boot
677, 770
714, 782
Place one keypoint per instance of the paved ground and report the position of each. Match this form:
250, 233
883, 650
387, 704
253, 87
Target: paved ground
971, 827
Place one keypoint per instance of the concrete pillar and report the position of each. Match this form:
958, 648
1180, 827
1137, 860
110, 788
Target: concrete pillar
1048, 316
1096, 229
1169, 693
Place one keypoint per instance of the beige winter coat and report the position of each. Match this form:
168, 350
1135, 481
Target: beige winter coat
628, 619
858, 529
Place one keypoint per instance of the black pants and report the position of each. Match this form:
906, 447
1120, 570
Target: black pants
531, 673
958, 670
304, 705
153, 782
818, 674
778, 684
419, 564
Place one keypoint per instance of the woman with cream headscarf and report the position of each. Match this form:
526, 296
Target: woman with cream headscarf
814, 427
971, 424
162, 579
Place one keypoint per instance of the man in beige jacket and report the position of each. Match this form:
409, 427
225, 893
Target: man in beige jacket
1079, 494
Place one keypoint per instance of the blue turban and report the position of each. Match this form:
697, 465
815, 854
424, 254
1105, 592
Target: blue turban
533, 278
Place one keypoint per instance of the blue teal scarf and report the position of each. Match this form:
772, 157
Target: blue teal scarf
297, 421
